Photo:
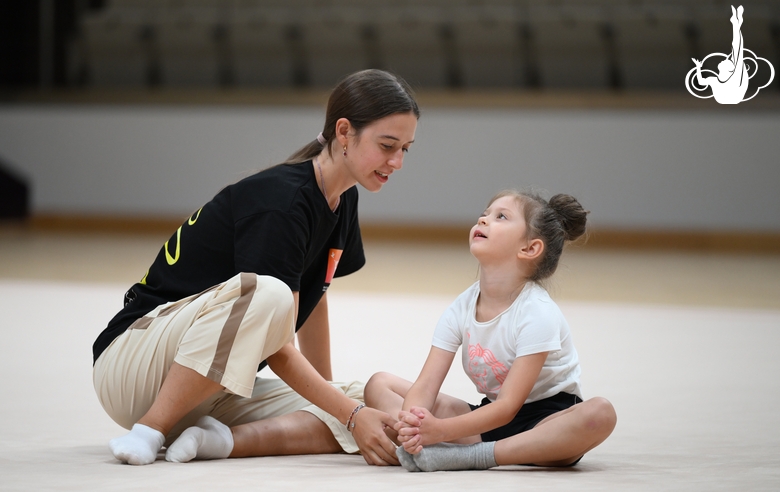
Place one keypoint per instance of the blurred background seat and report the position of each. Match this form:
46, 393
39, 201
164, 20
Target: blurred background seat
114, 53
571, 47
260, 35
411, 41
655, 47
192, 36
490, 46
337, 40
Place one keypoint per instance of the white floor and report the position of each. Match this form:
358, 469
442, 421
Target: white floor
697, 391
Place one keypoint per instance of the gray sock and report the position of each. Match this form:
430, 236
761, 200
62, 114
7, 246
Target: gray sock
406, 459
445, 456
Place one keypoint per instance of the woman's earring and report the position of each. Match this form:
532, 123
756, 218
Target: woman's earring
345, 151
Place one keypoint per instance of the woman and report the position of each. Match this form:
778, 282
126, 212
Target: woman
227, 292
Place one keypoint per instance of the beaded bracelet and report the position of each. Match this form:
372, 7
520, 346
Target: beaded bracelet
350, 424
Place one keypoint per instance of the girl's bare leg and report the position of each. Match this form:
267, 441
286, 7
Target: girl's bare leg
559, 440
562, 438
295, 433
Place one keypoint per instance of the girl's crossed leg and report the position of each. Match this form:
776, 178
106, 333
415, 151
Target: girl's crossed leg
560, 439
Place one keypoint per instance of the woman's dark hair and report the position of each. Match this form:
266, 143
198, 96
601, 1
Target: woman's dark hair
556, 221
363, 98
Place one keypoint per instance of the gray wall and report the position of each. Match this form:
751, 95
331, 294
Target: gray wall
705, 170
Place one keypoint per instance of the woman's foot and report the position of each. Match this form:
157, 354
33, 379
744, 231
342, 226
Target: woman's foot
209, 439
137, 447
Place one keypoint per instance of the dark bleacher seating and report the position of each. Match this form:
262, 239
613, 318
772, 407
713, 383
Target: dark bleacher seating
562, 44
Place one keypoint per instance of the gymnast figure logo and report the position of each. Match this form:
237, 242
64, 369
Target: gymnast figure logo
730, 84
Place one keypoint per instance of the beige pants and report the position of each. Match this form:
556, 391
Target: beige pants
222, 334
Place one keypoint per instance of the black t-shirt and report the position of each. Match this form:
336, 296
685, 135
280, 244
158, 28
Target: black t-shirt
276, 222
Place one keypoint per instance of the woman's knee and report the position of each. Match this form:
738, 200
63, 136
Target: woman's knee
274, 291
274, 296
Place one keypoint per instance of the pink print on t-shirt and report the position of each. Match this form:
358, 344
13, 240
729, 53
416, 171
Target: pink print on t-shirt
480, 377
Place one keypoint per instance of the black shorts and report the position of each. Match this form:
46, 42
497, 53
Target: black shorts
529, 415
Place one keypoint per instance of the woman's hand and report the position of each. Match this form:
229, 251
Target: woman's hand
375, 446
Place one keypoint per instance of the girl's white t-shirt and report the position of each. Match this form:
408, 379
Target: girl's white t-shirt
532, 324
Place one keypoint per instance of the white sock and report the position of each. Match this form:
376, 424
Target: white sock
139, 446
209, 439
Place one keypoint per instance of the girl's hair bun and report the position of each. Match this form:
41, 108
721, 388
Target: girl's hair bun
571, 215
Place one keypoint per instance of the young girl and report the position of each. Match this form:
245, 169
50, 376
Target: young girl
517, 349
